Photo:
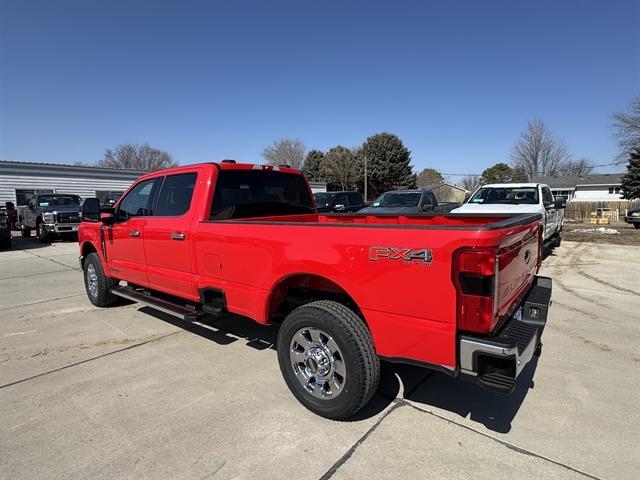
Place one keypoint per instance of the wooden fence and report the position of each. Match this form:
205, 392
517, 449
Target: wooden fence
581, 211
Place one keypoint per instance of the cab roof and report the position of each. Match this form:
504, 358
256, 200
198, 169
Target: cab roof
510, 185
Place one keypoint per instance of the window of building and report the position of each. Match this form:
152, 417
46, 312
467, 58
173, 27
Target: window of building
24, 195
614, 190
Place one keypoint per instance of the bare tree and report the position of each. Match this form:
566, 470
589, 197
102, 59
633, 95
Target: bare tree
471, 182
286, 151
582, 166
136, 157
627, 126
538, 152
340, 167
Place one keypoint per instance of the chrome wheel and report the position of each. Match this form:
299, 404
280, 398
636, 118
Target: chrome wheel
92, 280
317, 363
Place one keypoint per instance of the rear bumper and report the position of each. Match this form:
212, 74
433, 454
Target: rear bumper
496, 362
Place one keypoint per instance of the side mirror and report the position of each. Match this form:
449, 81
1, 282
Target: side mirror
91, 210
560, 203
339, 208
426, 207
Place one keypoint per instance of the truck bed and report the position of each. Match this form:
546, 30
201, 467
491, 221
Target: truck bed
428, 221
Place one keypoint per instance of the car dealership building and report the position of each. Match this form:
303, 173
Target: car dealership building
20, 181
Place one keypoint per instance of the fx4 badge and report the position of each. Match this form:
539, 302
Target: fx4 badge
405, 255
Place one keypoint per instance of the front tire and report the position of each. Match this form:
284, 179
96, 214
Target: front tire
636, 225
43, 235
96, 283
328, 360
558, 240
5, 243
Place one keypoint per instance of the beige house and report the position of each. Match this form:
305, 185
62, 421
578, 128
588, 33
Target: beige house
450, 193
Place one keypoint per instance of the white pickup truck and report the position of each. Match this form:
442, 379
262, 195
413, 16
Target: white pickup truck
514, 198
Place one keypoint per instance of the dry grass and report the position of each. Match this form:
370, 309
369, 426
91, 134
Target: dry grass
628, 234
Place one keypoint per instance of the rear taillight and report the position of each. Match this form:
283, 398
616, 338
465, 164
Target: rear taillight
475, 278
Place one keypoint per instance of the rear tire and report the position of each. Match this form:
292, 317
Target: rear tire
328, 360
96, 283
5, 243
25, 231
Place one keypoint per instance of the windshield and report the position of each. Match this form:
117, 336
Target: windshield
512, 195
58, 200
324, 199
397, 199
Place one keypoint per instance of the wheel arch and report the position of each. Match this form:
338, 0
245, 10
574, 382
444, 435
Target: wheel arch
86, 248
297, 289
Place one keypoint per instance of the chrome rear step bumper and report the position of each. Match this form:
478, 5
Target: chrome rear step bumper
496, 362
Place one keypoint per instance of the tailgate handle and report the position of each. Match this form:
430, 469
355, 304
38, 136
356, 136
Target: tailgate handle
177, 236
134, 233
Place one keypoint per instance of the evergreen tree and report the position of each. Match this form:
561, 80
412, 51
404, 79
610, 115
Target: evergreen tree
499, 173
388, 164
312, 165
631, 180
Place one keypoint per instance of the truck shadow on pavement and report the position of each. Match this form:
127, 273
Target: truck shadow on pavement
422, 387
32, 243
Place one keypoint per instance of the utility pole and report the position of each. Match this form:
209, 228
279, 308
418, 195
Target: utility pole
365, 178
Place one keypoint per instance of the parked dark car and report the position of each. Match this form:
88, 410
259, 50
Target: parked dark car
633, 217
111, 199
5, 230
409, 202
339, 201
12, 215
50, 214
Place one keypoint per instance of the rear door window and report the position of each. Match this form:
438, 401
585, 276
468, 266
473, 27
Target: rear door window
341, 199
355, 198
175, 195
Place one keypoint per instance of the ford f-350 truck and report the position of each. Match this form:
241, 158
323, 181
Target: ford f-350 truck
455, 293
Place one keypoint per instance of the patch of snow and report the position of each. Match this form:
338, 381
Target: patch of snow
602, 230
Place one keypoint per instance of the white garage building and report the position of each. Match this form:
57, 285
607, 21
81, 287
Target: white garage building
19, 181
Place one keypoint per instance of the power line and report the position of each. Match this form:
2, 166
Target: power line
537, 173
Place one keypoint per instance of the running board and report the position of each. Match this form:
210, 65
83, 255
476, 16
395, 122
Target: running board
156, 303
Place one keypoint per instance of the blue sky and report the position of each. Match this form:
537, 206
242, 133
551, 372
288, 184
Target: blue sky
456, 80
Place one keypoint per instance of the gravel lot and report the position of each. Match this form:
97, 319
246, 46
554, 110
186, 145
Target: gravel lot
126, 392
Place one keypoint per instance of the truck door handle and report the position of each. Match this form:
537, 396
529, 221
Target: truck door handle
177, 236
134, 233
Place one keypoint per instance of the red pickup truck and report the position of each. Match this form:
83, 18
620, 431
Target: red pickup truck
456, 293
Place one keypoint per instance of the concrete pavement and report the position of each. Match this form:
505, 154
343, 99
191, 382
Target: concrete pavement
126, 392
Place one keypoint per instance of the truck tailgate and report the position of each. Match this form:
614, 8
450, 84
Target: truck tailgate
517, 263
